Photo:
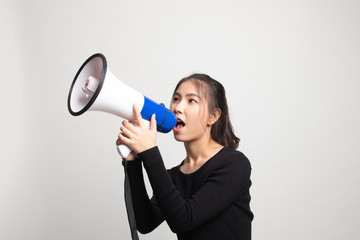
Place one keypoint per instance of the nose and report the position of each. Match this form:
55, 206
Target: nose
177, 107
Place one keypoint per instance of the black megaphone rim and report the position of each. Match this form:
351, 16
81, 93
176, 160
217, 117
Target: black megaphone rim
98, 89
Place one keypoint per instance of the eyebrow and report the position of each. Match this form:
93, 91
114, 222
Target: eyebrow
188, 95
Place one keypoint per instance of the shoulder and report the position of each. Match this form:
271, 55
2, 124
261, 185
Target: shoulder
175, 170
232, 164
233, 158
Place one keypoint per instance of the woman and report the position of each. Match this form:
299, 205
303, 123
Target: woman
207, 195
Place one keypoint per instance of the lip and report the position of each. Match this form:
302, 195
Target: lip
178, 129
179, 118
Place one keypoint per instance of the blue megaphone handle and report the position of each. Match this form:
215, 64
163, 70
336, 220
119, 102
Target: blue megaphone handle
165, 119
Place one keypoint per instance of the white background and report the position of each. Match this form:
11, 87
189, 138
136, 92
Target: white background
291, 71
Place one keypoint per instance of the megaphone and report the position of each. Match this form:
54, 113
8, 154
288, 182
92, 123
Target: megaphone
95, 88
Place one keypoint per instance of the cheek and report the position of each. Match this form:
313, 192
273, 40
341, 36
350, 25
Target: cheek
201, 117
172, 107
195, 115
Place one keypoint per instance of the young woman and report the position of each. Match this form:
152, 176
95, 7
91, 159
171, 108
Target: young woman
207, 195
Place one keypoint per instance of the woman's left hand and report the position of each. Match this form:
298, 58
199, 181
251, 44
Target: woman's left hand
137, 135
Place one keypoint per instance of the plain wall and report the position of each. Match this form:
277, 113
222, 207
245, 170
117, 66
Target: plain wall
291, 71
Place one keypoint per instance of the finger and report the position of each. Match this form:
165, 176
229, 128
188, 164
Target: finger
123, 139
126, 132
153, 126
138, 116
131, 126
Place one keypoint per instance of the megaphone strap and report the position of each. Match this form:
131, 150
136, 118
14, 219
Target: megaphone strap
129, 205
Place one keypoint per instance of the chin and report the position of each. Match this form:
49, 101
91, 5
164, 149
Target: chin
178, 138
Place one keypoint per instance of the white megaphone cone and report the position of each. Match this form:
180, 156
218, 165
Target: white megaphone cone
95, 88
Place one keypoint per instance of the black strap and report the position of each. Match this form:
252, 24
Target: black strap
129, 205
164, 116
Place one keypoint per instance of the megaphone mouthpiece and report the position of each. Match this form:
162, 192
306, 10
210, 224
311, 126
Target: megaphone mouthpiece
90, 85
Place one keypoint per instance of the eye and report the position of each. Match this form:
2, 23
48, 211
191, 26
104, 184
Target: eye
192, 100
175, 99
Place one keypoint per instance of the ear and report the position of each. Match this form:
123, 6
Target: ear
214, 116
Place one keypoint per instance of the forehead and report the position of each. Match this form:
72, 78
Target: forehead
193, 86
187, 87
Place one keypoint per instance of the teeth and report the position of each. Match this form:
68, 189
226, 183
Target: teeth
180, 123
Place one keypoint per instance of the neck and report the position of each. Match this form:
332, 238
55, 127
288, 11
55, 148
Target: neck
198, 152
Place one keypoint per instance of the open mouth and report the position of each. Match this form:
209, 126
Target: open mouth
179, 125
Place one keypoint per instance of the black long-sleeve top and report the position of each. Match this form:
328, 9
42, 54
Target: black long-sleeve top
212, 203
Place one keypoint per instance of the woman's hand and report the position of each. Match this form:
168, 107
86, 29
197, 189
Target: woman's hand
137, 135
131, 156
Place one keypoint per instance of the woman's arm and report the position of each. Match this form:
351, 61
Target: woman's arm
222, 188
147, 213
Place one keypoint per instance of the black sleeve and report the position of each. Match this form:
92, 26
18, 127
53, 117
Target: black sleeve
223, 186
147, 213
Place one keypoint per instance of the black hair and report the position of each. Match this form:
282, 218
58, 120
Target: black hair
222, 130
